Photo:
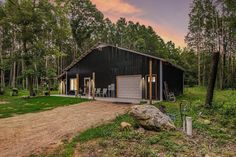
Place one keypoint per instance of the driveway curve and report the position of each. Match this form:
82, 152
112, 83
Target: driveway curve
35, 133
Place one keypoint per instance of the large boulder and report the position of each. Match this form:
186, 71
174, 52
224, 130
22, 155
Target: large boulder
151, 118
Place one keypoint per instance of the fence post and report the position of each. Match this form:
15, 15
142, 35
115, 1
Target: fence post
189, 126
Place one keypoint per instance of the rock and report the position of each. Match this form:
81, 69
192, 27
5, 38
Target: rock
207, 122
125, 125
141, 130
100, 150
151, 118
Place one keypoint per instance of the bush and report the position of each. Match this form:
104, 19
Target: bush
1, 91
46, 93
14, 92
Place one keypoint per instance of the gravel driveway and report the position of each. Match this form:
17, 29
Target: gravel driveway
32, 133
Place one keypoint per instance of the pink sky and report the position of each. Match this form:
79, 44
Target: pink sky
169, 18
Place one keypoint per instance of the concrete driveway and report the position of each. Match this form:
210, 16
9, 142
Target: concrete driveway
34, 133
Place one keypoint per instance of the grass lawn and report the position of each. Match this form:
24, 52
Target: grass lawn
17, 105
217, 138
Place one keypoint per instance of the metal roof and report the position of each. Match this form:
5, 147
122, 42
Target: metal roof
102, 45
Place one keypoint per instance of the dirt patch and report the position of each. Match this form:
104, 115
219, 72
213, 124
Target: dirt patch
3, 102
41, 132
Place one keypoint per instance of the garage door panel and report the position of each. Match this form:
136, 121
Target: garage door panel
129, 86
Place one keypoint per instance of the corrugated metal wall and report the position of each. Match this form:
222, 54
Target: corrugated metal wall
174, 78
110, 62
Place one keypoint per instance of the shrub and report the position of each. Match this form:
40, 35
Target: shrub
14, 92
1, 90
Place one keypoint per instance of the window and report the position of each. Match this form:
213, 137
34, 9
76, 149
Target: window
73, 84
153, 79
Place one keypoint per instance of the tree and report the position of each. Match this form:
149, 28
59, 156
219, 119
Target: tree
86, 22
194, 37
34, 24
212, 79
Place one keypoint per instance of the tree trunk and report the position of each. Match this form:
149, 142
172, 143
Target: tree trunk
212, 79
10, 77
22, 71
199, 68
30, 83
13, 81
1, 61
49, 87
36, 78
204, 70
223, 63
29, 78
2, 78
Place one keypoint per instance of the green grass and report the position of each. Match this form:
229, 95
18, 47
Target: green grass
102, 131
106, 130
222, 114
18, 105
216, 138
111, 137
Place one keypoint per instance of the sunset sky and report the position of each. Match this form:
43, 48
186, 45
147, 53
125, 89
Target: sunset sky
169, 18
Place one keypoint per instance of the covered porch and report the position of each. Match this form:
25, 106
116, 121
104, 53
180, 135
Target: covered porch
110, 99
118, 87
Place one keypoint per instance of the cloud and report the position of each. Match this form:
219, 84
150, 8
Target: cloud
119, 8
116, 7
166, 32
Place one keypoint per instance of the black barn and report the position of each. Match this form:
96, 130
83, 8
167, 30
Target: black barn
121, 73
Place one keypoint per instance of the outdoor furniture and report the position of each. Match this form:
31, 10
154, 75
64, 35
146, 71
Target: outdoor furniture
80, 91
170, 96
84, 93
109, 90
72, 92
98, 92
113, 90
104, 92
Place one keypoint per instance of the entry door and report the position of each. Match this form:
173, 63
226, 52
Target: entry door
129, 86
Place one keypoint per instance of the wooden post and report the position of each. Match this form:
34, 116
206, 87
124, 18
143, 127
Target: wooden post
161, 81
94, 85
150, 81
62, 87
189, 126
77, 87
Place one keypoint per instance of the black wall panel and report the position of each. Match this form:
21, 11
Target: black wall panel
109, 62
173, 77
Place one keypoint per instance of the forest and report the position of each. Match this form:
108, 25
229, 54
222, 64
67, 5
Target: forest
38, 39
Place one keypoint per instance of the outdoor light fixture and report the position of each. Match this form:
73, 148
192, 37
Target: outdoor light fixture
153, 79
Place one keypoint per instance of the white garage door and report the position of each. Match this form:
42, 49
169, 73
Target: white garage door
129, 86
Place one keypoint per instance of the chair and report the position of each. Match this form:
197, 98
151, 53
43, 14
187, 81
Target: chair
170, 96
80, 91
113, 90
84, 93
104, 92
98, 92
109, 91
